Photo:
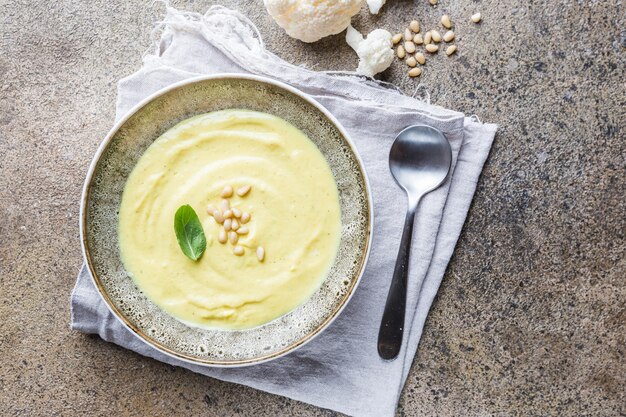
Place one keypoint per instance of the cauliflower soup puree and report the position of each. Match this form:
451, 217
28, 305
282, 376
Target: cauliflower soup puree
267, 202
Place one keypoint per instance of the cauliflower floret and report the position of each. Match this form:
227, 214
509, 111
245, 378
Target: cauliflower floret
375, 53
375, 5
311, 20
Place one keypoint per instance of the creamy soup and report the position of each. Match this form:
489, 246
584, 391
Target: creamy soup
293, 208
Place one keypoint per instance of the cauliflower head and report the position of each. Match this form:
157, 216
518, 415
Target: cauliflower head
311, 20
375, 52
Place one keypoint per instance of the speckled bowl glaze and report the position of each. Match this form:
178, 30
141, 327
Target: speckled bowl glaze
115, 160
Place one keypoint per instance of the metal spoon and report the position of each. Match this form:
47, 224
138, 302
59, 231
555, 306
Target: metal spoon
419, 161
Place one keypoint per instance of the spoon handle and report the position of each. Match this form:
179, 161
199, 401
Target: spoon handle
392, 324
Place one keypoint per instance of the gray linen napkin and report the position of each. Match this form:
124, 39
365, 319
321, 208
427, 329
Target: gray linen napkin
340, 369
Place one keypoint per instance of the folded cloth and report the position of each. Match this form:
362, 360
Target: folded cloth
340, 369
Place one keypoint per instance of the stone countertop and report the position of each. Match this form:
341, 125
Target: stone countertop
530, 318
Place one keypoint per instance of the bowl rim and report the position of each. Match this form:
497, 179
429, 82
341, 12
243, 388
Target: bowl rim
107, 300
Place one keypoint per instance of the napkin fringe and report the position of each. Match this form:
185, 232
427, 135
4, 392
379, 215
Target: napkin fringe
232, 22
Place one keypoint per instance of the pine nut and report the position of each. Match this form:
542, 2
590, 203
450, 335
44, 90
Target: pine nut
233, 237
450, 50
217, 215
415, 72
260, 253
228, 224
228, 214
409, 47
418, 39
241, 191
411, 62
445, 21
476, 17
245, 218
210, 209
415, 26
448, 36
433, 2
432, 48
227, 191
400, 52
427, 38
236, 212
407, 35
238, 250
222, 237
224, 205
419, 57
436, 36
234, 225
396, 38
243, 230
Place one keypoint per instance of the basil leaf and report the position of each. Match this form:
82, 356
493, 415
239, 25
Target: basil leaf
189, 232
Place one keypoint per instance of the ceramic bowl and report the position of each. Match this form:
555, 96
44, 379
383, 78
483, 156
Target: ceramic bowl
115, 160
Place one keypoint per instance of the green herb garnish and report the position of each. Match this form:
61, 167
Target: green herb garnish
189, 232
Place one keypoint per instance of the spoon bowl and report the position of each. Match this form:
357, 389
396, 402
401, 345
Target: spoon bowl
419, 160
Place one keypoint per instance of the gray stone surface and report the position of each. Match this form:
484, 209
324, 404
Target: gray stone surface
530, 319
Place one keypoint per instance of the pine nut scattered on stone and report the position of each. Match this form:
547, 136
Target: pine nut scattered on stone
243, 230
420, 58
242, 191
476, 17
435, 35
227, 191
228, 224
411, 62
448, 36
432, 48
217, 215
400, 52
433, 2
396, 38
260, 253
238, 250
418, 39
409, 47
407, 34
245, 218
415, 72
236, 212
446, 22
233, 237
427, 38
415, 26
222, 237
450, 50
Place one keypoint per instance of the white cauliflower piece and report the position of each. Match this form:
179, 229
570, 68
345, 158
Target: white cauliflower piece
311, 20
375, 52
375, 5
